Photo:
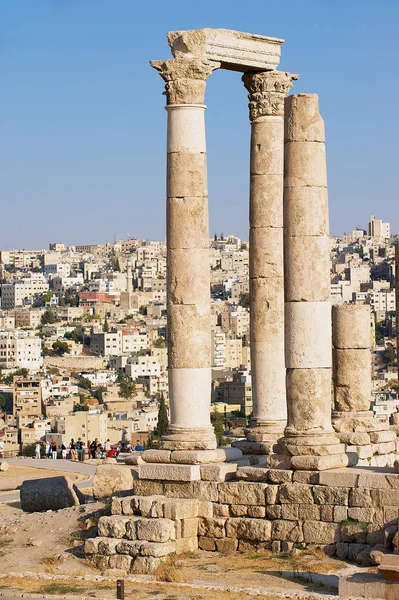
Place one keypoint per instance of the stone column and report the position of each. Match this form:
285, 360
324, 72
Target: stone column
352, 417
309, 437
188, 271
397, 299
267, 91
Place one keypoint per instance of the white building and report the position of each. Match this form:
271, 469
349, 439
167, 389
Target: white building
20, 292
57, 270
379, 229
19, 349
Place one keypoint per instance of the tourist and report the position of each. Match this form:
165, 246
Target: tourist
111, 453
107, 446
80, 450
54, 450
72, 449
1, 449
139, 447
129, 448
63, 451
89, 450
118, 448
48, 450
93, 447
37, 450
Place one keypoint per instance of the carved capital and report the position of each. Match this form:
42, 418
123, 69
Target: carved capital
267, 90
185, 79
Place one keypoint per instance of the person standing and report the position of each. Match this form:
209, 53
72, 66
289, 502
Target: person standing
1, 449
54, 450
80, 450
72, 449
107, 446
63, 451
37, 450
48, 450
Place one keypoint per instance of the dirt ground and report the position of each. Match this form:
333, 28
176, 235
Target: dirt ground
50, 544
12, 479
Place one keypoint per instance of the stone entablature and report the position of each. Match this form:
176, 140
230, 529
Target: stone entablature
347, 512
234, 50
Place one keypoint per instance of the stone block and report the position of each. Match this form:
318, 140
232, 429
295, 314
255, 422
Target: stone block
101, 562
354, 438
188, 323
271, 494
218, 472
121, 562
156, 456
205, 508
112, 480
361, 514
254, 473
226, 545
187, 222
266, 258
309, 477
264, 210
221, 510
360, 497
319, 463
178, 508
258, 512
145, 564
382, 498
342, 550
146, 506
280, 476
155, 530
195, 489
317, 532
131, 547
327, 513
249, 529
184, 545
108, 546
50, 493
307, 323
207, 544
308, 282
214, 528
384, 448
157, 549
189, 527
352, 531
273, 512
287, 531
378, 437
116, 506
341, 513
169, 472
114, 526
305, 165
142, 487
238, 510
330, 495
303, 122
295, 493
343, 478
351, 326
309, 512
372, 480
299, 203
290, 512
242, 493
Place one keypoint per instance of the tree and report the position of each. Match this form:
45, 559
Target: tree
163, 421
48, 317
84, 383
389, 355
80, 407
18, 373
244, 300
379, 331
217, 420
143, 310
2, 402
98, 393
160, 343
60, 347
106, 326
127, 388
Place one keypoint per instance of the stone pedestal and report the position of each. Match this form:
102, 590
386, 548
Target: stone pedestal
309, 437
267, 91
188, 276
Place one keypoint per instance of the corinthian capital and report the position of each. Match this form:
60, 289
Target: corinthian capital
185, 79
267, 90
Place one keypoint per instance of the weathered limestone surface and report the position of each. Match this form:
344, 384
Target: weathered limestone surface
235, 50
267, 91
188, 279
51, 493
110, 480
307, 307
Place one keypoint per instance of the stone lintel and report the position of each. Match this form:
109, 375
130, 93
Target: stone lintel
234, 50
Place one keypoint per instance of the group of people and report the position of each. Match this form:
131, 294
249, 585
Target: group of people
77, 450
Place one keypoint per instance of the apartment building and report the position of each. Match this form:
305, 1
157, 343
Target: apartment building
27, 400
19, 349
105, 344
22, 291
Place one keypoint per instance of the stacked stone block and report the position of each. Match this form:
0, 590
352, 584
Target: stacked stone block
348, 513
367, 440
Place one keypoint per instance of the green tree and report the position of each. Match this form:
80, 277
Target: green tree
379, 331
160, 343
80, 407
98, 393
163, 421
143, 310
127, 388
48, 317
106, 326
243, 300
389, 355
60, 347
18, 373
2, 402
84, 383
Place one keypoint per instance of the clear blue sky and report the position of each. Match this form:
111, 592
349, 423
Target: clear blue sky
82, 152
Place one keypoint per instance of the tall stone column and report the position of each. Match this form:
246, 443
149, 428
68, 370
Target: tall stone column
397, 299
267, 91
188, 271
309, 437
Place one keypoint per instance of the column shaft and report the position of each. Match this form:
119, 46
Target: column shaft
309, 436
267, 91
188, 271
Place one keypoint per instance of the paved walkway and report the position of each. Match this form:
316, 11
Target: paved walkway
56, 465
